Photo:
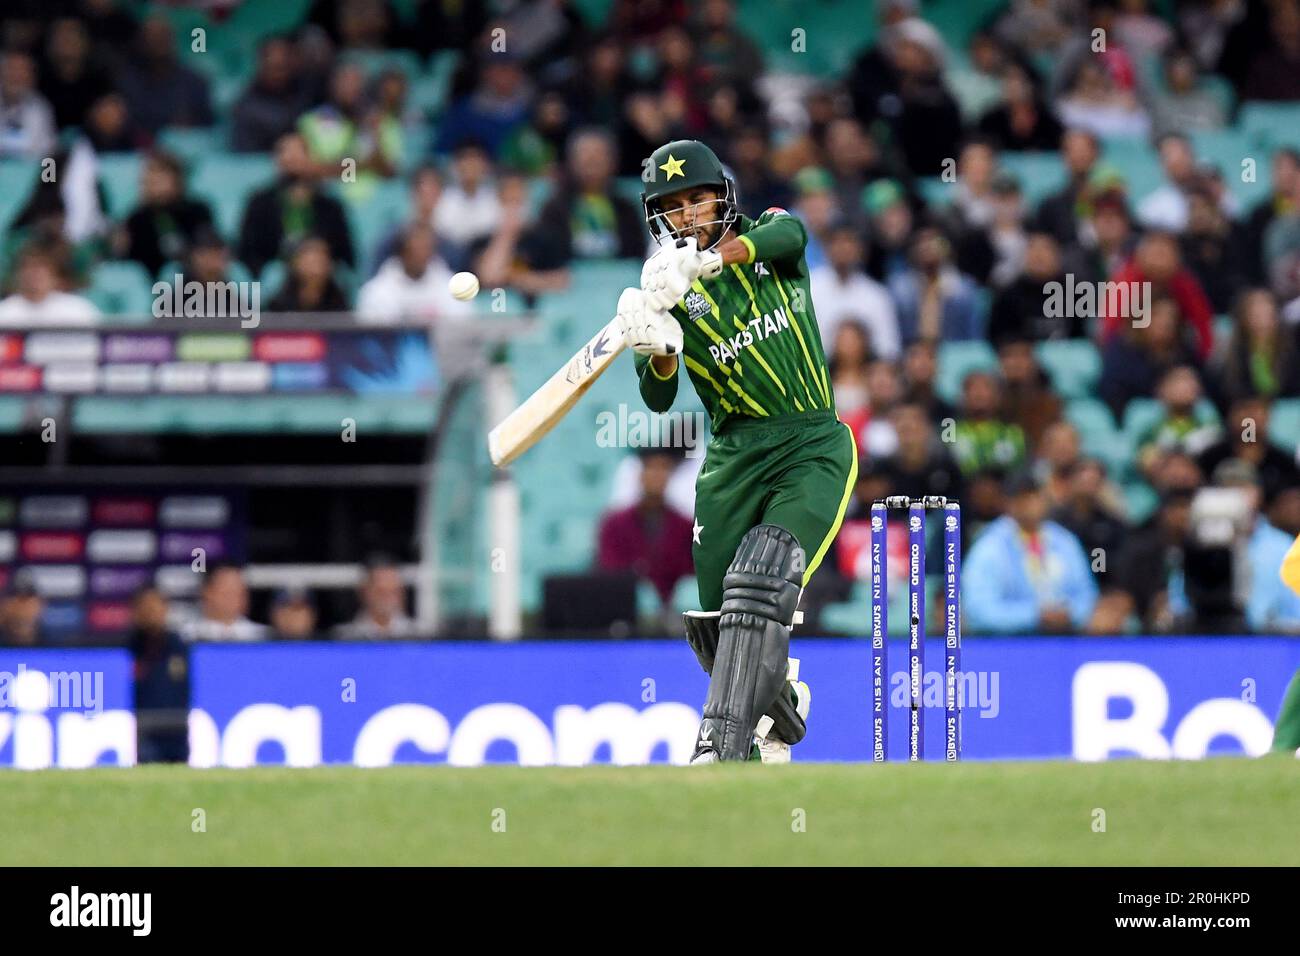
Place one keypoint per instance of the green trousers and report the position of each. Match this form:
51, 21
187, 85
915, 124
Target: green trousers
1286, 732
796, 471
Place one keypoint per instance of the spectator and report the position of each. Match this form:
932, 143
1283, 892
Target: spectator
412, 285
223, 608
1274, 73
208, 259
348, 129
891, 229
1166, 209
1026, 307
921, 460
21, 608
933, 299
1106, 236
587, 219
1246, 439
597, 95
1285, 171
358, 24
1027, 397
848, 357
1281, 247
927, 120
842, 291
468, 209
817, 208
1059, 213
852, 159
282, 214
1151, 564
1033, 575
1056, 455
726, 54
159, 91
1133, 362
490, 113
1214, 249
1022, 121
1087, 513
71, 76
1184, 104
1259, 358
162, 681
517, 255
534, 148
109, 127
969, 219
649, 537
271, 105
383, 606
754, 177
38, 301
1103, 105
1006, 233
293, 615
1158, 261
27, 128
1184, 423
1271, 606
310, 285
166, 221
982, 439
920, 369
64, 214
425, 195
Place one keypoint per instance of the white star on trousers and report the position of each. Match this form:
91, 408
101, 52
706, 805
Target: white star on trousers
696, 528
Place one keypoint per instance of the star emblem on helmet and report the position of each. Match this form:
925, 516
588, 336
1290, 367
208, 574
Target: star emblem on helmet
674, 167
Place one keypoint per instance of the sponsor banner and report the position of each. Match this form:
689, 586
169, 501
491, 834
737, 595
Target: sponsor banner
638, 702
221, 362
53, 511
65, 708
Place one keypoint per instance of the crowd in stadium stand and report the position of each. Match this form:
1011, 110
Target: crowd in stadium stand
896, 276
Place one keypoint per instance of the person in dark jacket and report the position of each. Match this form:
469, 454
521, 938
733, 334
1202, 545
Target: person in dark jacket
291, 208
163, 227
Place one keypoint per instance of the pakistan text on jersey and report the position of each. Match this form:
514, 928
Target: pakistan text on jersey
757, 330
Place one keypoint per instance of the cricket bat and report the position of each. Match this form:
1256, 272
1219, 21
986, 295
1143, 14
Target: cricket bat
526, 425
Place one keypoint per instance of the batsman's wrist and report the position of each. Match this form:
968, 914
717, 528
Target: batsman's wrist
710, 265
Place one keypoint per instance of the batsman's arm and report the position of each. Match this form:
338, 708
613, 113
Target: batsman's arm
777, 235
658, 387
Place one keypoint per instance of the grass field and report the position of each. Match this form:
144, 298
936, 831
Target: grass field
1225, 811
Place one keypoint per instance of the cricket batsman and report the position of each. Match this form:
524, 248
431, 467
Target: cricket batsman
1286, 732
727, 297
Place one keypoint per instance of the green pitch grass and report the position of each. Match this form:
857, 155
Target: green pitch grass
1226, 811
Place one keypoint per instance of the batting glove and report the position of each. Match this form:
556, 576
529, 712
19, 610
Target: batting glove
646, 330
668, 274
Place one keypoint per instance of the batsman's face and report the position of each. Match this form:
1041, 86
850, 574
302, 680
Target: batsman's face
695, 212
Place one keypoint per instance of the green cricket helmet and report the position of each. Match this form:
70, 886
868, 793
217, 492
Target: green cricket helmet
686, 164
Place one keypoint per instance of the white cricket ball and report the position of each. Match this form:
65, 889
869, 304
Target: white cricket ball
464, 286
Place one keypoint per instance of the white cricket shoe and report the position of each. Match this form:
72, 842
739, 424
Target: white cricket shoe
706, 756
771, 750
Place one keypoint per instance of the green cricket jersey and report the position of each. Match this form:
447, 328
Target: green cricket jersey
750, 340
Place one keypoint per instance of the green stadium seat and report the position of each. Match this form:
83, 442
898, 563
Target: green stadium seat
1039, 174
18, 177
1284, 424
1225, 149
13, 412
959, 359
120, 174
191, 145
1271, 125
1098, 436
1137, 162
1141, 501
272, 279
1074, 366
122, 288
